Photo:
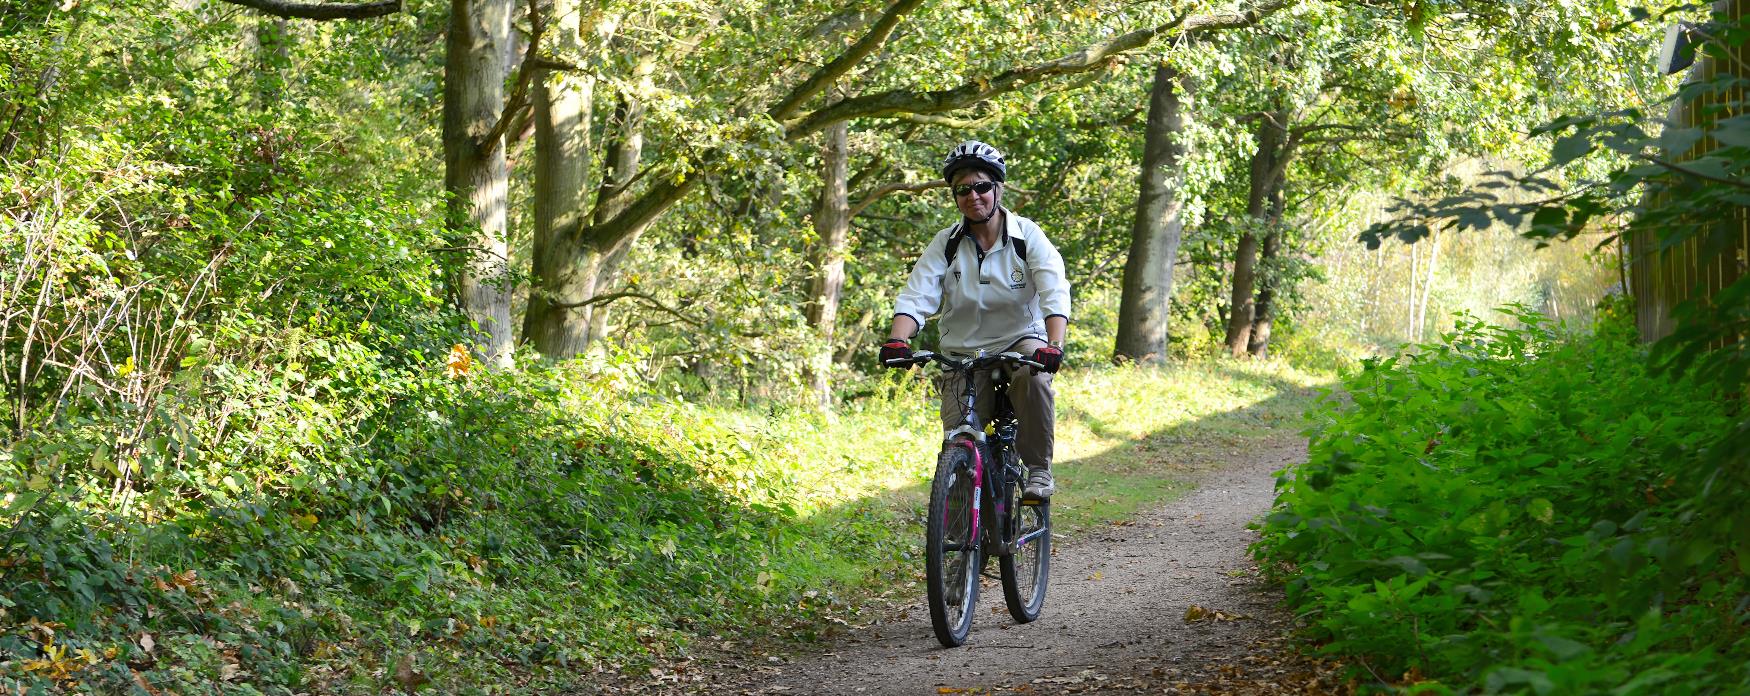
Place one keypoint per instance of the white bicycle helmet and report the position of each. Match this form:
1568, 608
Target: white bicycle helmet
973, 153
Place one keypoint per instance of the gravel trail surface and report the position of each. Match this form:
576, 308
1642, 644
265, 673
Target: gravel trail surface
1160, 604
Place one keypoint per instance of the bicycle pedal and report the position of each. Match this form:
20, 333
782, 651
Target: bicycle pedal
1032, 502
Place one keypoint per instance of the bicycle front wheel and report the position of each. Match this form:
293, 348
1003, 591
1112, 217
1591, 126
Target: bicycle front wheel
951, 551
1025, 571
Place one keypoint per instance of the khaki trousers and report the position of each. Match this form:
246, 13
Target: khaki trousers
1029, 392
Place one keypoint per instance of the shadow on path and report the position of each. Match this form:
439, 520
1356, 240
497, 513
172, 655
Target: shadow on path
1121, 584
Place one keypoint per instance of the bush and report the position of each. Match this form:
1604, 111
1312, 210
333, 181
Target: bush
1506, 510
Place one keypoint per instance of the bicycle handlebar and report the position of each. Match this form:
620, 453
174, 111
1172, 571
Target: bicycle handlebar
964, 364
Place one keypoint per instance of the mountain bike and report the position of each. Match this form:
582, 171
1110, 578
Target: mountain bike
977, 471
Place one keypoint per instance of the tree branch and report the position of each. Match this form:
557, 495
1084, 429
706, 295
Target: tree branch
665, 193
1093, 57
641, 212
1699, 175
1338, 139
556, 65
877, 167
1316, 127
950, 121
322, 11
827, 74
519, 94
1128, 118
898, 187
635, 294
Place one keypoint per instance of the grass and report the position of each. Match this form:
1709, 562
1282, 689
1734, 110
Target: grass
1128, 439
1131, 438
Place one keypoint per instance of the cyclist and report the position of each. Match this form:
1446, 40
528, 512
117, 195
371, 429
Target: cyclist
999, 286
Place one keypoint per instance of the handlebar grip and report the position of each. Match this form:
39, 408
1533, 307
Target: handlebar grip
919, 358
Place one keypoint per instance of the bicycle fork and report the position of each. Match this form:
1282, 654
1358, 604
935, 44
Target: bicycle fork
975, 533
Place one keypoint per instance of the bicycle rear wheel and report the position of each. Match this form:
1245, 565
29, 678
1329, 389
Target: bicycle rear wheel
951, 553
1026, 570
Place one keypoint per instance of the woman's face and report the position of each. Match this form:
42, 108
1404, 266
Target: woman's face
975, 205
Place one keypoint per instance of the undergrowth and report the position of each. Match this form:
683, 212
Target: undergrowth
491, 531
1505, 511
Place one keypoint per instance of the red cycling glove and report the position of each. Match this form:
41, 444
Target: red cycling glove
895, 349
1049, 356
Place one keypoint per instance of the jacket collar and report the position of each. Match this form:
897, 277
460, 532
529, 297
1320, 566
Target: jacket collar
1011, 227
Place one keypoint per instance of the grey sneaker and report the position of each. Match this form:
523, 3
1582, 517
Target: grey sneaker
1039, 484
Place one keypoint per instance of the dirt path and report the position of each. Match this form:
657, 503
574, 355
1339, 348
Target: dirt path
1114, 620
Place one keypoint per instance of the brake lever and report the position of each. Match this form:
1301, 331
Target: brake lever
918, 358
1017, 357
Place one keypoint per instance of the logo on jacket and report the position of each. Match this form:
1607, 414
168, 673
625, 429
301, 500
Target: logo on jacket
1016, 279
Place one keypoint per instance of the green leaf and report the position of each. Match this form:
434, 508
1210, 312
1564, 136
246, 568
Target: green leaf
1677, 141
1409, 564
1563, 648
1734, 131
1622, 553
1542, 510
1569, 148
22, 502
1549, 221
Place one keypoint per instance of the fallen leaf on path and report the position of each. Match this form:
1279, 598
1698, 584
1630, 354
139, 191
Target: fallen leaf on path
1195, 613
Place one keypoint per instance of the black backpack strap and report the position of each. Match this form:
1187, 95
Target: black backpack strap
1019, 244
953, 248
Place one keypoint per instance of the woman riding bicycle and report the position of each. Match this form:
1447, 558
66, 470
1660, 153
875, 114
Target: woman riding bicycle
999, 286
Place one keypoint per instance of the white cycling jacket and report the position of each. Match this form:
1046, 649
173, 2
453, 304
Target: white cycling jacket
987, 298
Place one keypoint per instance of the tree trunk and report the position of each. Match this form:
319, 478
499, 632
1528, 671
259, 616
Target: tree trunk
563, 268
624, 152
624, 148
1266, 165
1258, 344
832, 225
1158, 227
589, 254
475, 174
1415, 277
1427, 285
850, 341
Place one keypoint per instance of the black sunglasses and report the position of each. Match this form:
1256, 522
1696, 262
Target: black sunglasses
981, 187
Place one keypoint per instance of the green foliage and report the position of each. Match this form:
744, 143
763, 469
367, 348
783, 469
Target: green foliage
531, 522
243, 454
1505, 510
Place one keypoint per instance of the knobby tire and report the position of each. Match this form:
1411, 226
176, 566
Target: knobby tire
950, 525
1026, 571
